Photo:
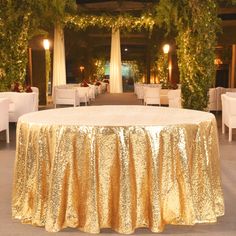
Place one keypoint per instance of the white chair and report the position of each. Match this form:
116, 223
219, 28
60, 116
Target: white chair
174, 98
83, 93
36, 90
65, 96
212, 103
99, 88
104, 87
164, 96
228, 114
140, 91
4, 116
152, 96
231, 94
219, 92
231, 90
20, 103
92, 92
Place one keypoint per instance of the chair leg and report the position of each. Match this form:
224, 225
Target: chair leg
223, 127
230, 134
7, 135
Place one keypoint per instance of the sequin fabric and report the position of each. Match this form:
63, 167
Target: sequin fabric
121, 177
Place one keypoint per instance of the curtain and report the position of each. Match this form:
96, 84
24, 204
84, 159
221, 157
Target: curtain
115, 63
59, 65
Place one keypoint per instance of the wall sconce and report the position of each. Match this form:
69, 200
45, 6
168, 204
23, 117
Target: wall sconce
46, 44
166, 48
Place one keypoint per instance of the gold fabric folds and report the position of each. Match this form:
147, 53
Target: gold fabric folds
117, 177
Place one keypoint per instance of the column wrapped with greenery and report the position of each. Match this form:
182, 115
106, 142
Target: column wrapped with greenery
14, 27
162, 69
19, 22
196, 25
196, 42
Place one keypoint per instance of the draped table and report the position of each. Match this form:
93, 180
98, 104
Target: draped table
119, 167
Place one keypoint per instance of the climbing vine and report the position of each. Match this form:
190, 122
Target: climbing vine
196, 25
162, 69
124, 21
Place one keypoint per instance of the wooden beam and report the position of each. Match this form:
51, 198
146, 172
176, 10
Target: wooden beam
233, 67
228, 10
229, 23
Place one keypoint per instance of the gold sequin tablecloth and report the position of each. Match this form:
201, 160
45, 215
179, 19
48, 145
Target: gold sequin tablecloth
119, 167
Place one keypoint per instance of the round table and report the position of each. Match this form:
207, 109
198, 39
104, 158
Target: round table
119, 167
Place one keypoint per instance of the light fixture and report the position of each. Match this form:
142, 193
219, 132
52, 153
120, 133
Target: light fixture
218, 61
81, 68
166, 48
126, 49
46, 44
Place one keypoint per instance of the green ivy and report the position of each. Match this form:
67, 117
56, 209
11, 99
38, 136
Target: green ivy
13, 46
196, 25
162, 69
19, 22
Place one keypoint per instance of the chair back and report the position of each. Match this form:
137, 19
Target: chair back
174, 98
64, 93
4, 116
228, 113
231, 94
140, 91
65, 96
152, 95
83, 93
212, 102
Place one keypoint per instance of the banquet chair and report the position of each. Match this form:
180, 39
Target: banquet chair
174, 98
228, 113
20, 104
92, 92
36, 91
4, 116
83, 93
212, 104
65, 96
164, 96
140, 92
219, 92
152, 96
231, 94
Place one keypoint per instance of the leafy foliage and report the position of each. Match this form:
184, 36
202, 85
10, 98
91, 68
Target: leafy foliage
162, 69
196, 24
124, 21
14, 35
20, 21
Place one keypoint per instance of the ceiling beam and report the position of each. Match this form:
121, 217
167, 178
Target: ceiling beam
228, 10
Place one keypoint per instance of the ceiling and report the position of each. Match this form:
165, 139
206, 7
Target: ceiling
97, 40
137, 42
114, 6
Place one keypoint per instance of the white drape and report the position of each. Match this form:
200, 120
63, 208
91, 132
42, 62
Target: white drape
115, 63
59, 65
